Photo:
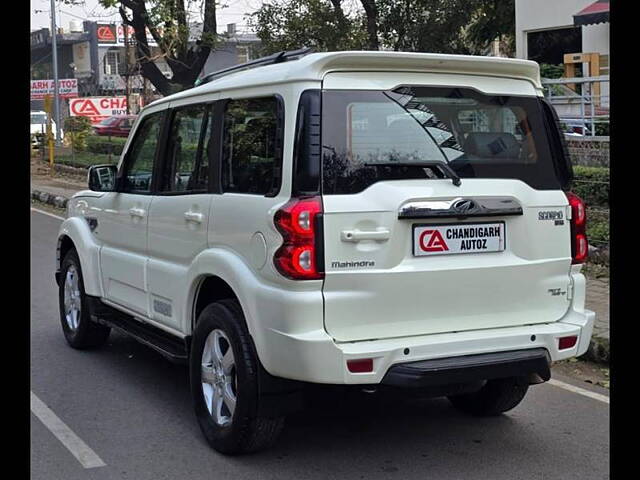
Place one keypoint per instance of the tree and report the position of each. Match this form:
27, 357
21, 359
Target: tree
169, 24
441, 26
320, 24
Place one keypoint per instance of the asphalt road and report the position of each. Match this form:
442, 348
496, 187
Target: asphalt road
132, 408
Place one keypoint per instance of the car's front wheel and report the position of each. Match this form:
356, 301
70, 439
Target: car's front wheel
78, 328
495, 397
224, 382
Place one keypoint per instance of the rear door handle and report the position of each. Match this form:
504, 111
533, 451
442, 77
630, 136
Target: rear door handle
380, 235
194, 217
137, 212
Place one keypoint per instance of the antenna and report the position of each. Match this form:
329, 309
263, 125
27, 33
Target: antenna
278, 57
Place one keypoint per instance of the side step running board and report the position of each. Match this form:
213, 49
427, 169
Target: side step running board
173, 348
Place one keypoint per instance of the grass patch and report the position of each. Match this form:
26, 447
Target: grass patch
85, 159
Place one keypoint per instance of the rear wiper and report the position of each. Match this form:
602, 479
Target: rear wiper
445, 169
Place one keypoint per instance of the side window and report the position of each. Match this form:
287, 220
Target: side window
186, 166
251, 153
141, 153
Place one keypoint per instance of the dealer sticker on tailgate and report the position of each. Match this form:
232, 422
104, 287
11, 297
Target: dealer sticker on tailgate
458, 238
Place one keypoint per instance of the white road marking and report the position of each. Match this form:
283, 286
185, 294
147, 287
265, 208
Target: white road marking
47, 213
87, 457
580, 391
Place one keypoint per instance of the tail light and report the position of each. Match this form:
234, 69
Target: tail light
299, 223
579, 244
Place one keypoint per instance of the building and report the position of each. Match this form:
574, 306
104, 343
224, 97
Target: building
96, 53
548, 30
234, 48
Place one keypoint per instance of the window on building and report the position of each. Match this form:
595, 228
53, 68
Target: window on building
252, 146
549, 46
111, 62
244, 54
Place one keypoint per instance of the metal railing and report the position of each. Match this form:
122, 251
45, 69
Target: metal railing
580, 102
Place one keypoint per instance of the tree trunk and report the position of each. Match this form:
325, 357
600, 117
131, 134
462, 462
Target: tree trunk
184, 62
371, 12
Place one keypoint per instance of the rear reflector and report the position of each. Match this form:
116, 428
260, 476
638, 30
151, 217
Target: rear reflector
567, 342
362, 365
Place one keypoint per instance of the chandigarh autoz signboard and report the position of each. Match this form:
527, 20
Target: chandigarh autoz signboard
98, 108
67, 88
458, 238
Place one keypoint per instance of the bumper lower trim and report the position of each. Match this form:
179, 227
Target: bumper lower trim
532, 363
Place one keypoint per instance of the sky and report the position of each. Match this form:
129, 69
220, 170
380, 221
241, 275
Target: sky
91, 10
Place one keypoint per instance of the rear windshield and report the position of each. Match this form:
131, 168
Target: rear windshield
478, 135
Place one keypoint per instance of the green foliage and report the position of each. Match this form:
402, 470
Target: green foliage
442, 26
592, 185
77, 130
288, 25
551, 71
100, 144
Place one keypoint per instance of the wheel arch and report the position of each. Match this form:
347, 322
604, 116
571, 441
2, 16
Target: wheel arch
75, 233
209, 289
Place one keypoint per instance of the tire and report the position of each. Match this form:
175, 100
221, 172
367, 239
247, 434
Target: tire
228, 430
494, 398
78, 328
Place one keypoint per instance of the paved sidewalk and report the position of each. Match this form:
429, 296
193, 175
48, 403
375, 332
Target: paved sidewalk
598, 301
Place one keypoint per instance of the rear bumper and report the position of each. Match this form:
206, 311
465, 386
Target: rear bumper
532, 364
315, 357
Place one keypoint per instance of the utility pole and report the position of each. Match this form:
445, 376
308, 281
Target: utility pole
56, 93
127, 75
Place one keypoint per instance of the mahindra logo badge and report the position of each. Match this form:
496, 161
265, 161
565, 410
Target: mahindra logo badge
464, 205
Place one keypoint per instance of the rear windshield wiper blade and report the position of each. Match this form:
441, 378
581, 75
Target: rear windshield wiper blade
446, 170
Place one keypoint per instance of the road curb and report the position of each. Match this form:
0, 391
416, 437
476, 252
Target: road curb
45, 197
598, 350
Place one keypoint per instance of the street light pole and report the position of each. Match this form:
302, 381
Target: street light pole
56, 93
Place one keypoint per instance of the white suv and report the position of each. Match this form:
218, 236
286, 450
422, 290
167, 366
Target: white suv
375, 220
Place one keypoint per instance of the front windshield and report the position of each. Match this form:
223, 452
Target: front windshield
478, 135
38, 118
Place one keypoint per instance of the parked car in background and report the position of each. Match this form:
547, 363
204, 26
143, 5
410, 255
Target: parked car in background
117, 126
39, 125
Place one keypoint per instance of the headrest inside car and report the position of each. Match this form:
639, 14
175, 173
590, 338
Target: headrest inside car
492, 145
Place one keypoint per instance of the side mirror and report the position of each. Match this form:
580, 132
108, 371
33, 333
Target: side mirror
102, 178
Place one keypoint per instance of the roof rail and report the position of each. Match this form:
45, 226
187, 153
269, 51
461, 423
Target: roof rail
278, 57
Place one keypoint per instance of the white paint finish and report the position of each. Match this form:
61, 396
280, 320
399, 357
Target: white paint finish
174, 241
77, 229
579, 391
79, 449
314, 67
124, 253
440, 293
286, 319
492, 85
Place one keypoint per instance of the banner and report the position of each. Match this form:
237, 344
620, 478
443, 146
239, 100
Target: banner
67, 88
110, 34
98, 108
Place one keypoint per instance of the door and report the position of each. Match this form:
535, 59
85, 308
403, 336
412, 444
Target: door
409, 252
179, 214
124, 219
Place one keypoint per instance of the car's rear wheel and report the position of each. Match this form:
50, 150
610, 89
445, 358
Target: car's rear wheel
495, 397
224, 382
78, 328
